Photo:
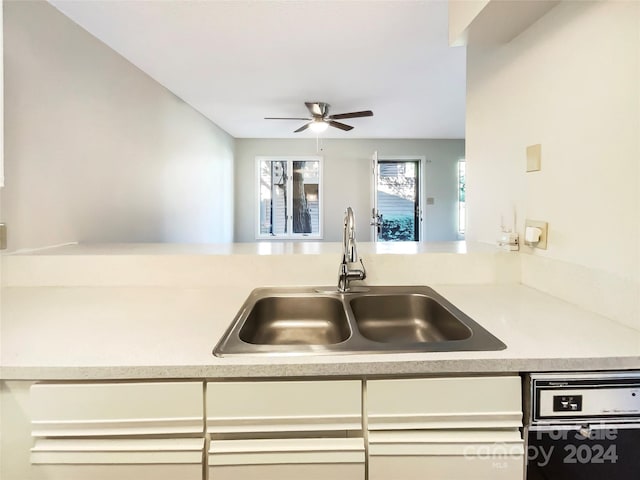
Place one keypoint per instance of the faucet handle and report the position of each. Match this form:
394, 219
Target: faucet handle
364, 270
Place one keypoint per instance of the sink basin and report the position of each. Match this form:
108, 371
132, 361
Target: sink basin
377, 319
312, 320
407, 318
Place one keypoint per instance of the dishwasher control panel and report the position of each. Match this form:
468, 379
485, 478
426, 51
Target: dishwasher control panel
589, 396
567, 403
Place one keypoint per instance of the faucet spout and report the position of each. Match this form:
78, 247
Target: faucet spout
346, 273
349, 236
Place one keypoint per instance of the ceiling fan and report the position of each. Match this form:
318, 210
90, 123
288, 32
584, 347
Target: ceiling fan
320, 119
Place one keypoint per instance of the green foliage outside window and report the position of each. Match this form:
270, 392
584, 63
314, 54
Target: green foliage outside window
397, 228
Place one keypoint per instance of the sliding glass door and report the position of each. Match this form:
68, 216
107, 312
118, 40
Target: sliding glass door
397, 211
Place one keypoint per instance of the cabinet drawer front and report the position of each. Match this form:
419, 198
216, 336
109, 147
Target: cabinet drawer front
445, 468
236, 407
116, 472
118, 451
460, 443
289, 472
104, 409
450, 455
286, 450
438, 403
287, 459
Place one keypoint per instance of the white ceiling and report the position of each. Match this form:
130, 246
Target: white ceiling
240, 61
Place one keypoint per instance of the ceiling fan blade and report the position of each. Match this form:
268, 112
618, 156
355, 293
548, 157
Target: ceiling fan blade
286, 118
303, 127
364, 113
317, 109
314, 108
341, 126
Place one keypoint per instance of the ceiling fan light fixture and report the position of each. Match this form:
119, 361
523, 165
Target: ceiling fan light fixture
318, 126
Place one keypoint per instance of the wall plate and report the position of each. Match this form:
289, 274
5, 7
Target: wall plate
534, 154
544, 226
3, 236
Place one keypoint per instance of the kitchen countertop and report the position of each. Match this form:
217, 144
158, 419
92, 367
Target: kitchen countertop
157, 332
255, 248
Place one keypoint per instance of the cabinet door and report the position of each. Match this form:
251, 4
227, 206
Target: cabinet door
117, 459
287, 459
248, 407
446, 455
108, 409
439, 403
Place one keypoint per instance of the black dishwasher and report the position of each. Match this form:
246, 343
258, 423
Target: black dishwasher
583, 426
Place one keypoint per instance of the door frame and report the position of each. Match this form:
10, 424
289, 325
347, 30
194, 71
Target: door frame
422, 163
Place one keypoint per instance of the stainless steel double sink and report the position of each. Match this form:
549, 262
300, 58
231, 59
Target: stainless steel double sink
376, 319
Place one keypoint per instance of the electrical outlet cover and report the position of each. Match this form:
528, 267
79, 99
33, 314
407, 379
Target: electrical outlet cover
544, 227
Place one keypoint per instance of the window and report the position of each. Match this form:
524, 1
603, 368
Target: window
289, 197
461, 197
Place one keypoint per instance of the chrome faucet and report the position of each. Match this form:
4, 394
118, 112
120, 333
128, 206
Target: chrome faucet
349, 254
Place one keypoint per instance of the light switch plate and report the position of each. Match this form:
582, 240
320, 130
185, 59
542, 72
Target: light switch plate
534, 153
544, 227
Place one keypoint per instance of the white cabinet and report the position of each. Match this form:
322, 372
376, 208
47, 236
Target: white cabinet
445, 429
446, 455
99, 409
287, 459
117, 430
285, 430
437, 428
290, 406
121, 459
437, 403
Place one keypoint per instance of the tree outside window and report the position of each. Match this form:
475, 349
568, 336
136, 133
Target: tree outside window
289, 197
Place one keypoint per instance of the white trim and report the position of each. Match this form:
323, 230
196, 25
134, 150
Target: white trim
422, 190
461, 235
256, 198
1, 94
373, 198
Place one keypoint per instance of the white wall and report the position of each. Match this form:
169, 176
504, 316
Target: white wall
571, 82
1, 96
461, 14
95, 150
347, 181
